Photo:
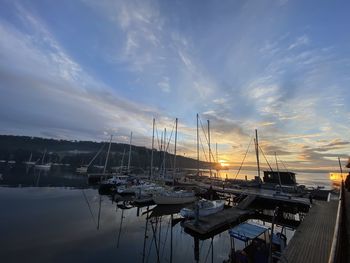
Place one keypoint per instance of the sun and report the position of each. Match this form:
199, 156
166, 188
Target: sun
223, 163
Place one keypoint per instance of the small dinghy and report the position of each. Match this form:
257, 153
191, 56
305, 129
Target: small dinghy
205, 208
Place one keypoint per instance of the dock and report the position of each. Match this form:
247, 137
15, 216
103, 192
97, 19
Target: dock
312, 240
265, 196
219, 221
346, 228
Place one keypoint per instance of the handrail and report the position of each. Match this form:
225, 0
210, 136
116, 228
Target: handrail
332, 255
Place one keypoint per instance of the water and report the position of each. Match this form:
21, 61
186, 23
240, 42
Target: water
45, 224
306, 178
56, 223
57, 217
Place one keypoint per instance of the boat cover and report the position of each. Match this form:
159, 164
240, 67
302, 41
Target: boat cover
247, 231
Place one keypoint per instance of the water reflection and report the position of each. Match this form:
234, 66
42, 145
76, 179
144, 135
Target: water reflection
41, 224
58, 224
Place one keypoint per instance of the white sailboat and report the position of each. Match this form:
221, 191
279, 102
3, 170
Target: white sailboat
172, 197
205, 208
82, 169
117, 180
42, 166
30, 162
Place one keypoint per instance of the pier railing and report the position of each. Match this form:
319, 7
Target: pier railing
338, 249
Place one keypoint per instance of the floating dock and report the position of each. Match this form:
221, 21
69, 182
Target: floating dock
312, 240
266, 196
216, 222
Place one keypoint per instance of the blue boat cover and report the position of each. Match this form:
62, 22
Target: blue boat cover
247, 231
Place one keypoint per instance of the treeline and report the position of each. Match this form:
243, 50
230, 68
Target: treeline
77, 153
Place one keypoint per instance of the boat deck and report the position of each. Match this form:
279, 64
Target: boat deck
212, 223
312, 240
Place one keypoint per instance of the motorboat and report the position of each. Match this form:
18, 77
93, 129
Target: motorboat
205, 208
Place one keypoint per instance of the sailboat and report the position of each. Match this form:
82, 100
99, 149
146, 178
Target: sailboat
42, 166
117, 179
84, 168
30, 162
172, 197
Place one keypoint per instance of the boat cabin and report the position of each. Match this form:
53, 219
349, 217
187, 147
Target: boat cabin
256, 240
272, 177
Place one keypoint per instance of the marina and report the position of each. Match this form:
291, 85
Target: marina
310, 227
174, 131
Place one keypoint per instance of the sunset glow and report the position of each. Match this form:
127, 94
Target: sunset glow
243, 65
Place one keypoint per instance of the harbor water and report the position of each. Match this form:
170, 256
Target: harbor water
57, 217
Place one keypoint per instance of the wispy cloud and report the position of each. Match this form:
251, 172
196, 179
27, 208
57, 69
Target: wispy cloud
300, 41
242, 65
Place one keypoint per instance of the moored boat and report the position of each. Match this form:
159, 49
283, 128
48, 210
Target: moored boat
46, 166
82, 169
174, 197
205, 208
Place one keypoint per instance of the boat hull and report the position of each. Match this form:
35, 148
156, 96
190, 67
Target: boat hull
173, 200
43, 167
190, 213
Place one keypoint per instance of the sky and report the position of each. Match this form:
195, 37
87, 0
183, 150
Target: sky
85, 69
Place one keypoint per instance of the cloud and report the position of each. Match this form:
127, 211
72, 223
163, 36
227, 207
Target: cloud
241, 65
300, 41
40, 73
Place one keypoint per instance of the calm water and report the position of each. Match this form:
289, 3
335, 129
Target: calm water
45, 224
46, 221
39, 223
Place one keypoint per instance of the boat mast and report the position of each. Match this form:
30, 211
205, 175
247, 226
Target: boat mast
209, 148
42, 161
122, 163
257, 151
152, 149
278, 172
164, 151
217, 160
175, 151
160, 170
109, 148
197, 147
129, 153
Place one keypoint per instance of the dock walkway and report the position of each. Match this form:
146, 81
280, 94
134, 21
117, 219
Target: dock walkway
212, 223
347, 220
312, 240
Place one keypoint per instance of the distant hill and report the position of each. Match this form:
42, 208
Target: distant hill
76, 153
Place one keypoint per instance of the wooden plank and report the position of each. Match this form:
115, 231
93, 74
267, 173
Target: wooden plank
313, 238
347, 218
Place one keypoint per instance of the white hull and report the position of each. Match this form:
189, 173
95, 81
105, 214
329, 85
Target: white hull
116, 180
173, 199
43, 166
211, 208
29, 163
82, 170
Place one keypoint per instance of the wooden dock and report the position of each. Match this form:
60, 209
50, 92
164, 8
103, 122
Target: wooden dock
347, 225
219, 221
312, 240
266, 195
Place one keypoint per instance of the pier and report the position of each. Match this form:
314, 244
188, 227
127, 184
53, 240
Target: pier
313, 239
267, 196
208, 225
